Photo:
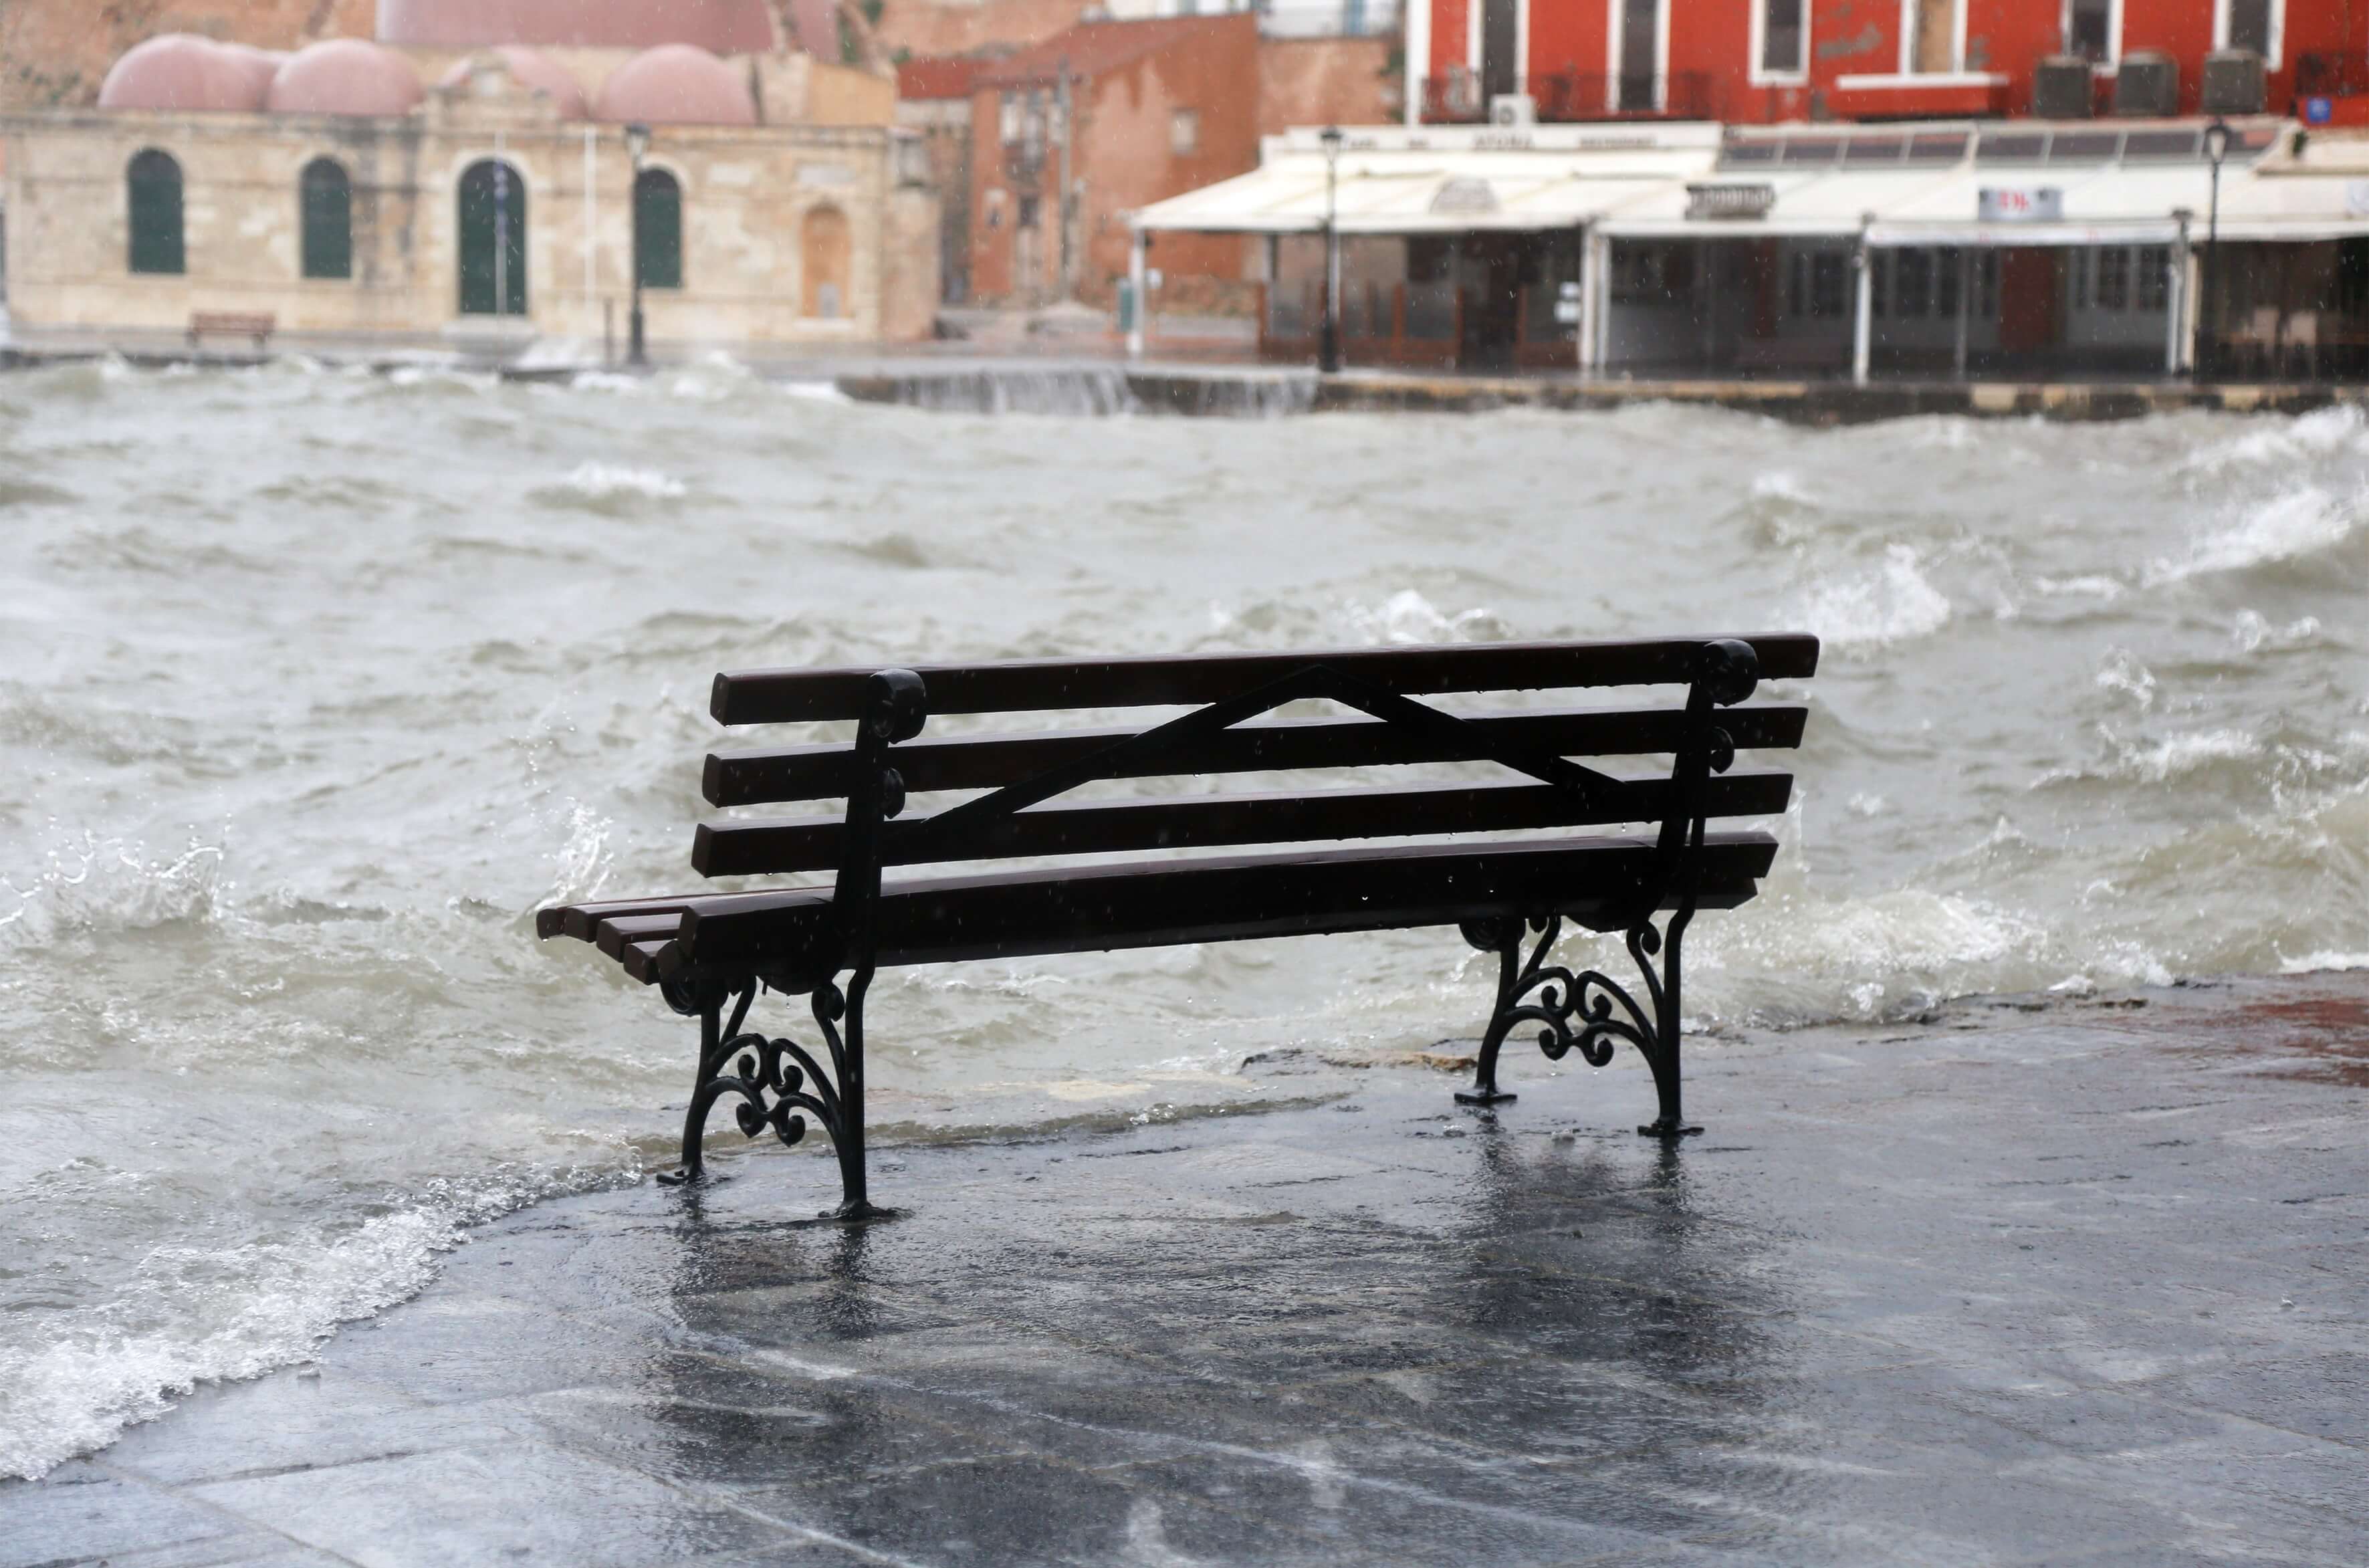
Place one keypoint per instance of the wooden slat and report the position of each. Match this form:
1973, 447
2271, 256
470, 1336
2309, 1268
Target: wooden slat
1116, 827
645, 961
579, 919
779, 696
616, 932
1099, 908
988, 761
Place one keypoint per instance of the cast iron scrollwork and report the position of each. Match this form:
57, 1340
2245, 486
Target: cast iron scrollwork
780, 1083
1584, 1010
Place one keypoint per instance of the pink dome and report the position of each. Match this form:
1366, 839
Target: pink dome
345, 76
183, 73
533, 70
256, 66
676, 84
724, 27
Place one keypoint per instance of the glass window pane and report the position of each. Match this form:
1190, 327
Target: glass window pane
1781, 36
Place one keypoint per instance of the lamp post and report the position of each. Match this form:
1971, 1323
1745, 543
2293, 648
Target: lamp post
1328, 346
2217, 147
637, 143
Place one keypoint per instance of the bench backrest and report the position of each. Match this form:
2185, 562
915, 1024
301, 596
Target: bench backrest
1232, 730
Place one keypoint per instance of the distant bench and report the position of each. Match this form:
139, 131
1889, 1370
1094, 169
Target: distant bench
257, 325
709, 953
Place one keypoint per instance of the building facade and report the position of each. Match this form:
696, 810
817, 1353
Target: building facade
1765, 61
467, 176
1130, 112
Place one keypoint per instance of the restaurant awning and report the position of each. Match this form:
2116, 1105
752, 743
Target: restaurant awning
1404, 183
1974, 199
2026, 184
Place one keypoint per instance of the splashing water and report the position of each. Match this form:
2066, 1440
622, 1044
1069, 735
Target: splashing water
320, 682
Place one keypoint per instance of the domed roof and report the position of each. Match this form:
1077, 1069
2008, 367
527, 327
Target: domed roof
184, 73
725, 27
346, 76
676, 84
256, 66
530, 69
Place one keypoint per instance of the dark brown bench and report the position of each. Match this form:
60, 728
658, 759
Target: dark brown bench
1297, 862
257, 325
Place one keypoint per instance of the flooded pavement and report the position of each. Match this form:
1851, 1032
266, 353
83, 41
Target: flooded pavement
2031, 1281
323, 681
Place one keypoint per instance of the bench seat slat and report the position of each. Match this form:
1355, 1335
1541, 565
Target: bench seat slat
1097, 908
817, 843
782, 697
581, 920
615, 933
987, 762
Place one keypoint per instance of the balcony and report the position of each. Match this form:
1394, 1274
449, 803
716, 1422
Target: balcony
1567, 97
2332, 89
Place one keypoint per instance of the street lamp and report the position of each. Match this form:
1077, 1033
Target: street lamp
637, 143
2217, 147
1328, 347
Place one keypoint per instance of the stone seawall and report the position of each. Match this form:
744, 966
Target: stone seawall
1101, 388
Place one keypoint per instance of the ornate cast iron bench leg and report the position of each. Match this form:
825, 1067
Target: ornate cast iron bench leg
780, 1083
1586, 1010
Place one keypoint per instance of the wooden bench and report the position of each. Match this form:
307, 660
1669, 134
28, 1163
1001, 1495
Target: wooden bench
257, 325
1327, 864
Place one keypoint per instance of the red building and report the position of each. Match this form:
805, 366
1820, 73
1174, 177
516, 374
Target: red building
1762, 62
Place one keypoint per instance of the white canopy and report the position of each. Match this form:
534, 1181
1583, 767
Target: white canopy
1399, 183
1641, 182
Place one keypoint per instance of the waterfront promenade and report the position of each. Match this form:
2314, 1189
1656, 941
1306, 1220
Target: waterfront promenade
2064, 1280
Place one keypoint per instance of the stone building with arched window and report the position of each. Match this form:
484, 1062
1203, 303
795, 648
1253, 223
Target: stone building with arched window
467, 176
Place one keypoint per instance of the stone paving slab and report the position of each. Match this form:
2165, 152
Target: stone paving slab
2064, 1283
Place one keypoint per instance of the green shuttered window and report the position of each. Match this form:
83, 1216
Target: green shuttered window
154, 186
657, 230
328, 210
493, 241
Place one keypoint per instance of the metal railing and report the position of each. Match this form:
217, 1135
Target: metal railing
2330, 76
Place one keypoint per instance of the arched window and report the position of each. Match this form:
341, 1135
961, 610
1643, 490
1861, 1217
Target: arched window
657, 230
823, 262
152, 184
493, 240
327, 199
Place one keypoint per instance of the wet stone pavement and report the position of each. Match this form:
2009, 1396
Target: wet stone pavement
2074, 1283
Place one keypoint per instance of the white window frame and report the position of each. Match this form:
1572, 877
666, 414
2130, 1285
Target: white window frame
1958, 37
2113, 30
1615, 28
1760, 77
2221, 28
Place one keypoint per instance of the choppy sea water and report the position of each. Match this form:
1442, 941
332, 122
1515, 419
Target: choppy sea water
317, 683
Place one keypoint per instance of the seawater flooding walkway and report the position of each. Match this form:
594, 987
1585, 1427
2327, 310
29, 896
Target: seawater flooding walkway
1072, 384
2031, 1280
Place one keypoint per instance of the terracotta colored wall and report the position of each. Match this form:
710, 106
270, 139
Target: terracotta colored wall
1124, 155
54, 53
931, 27
1566, 37
1863, 37
1128, 163
1326, 81
1451, 37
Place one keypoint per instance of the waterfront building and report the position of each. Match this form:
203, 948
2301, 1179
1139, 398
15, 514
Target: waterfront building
1130, 112
467, 176
2012, 193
